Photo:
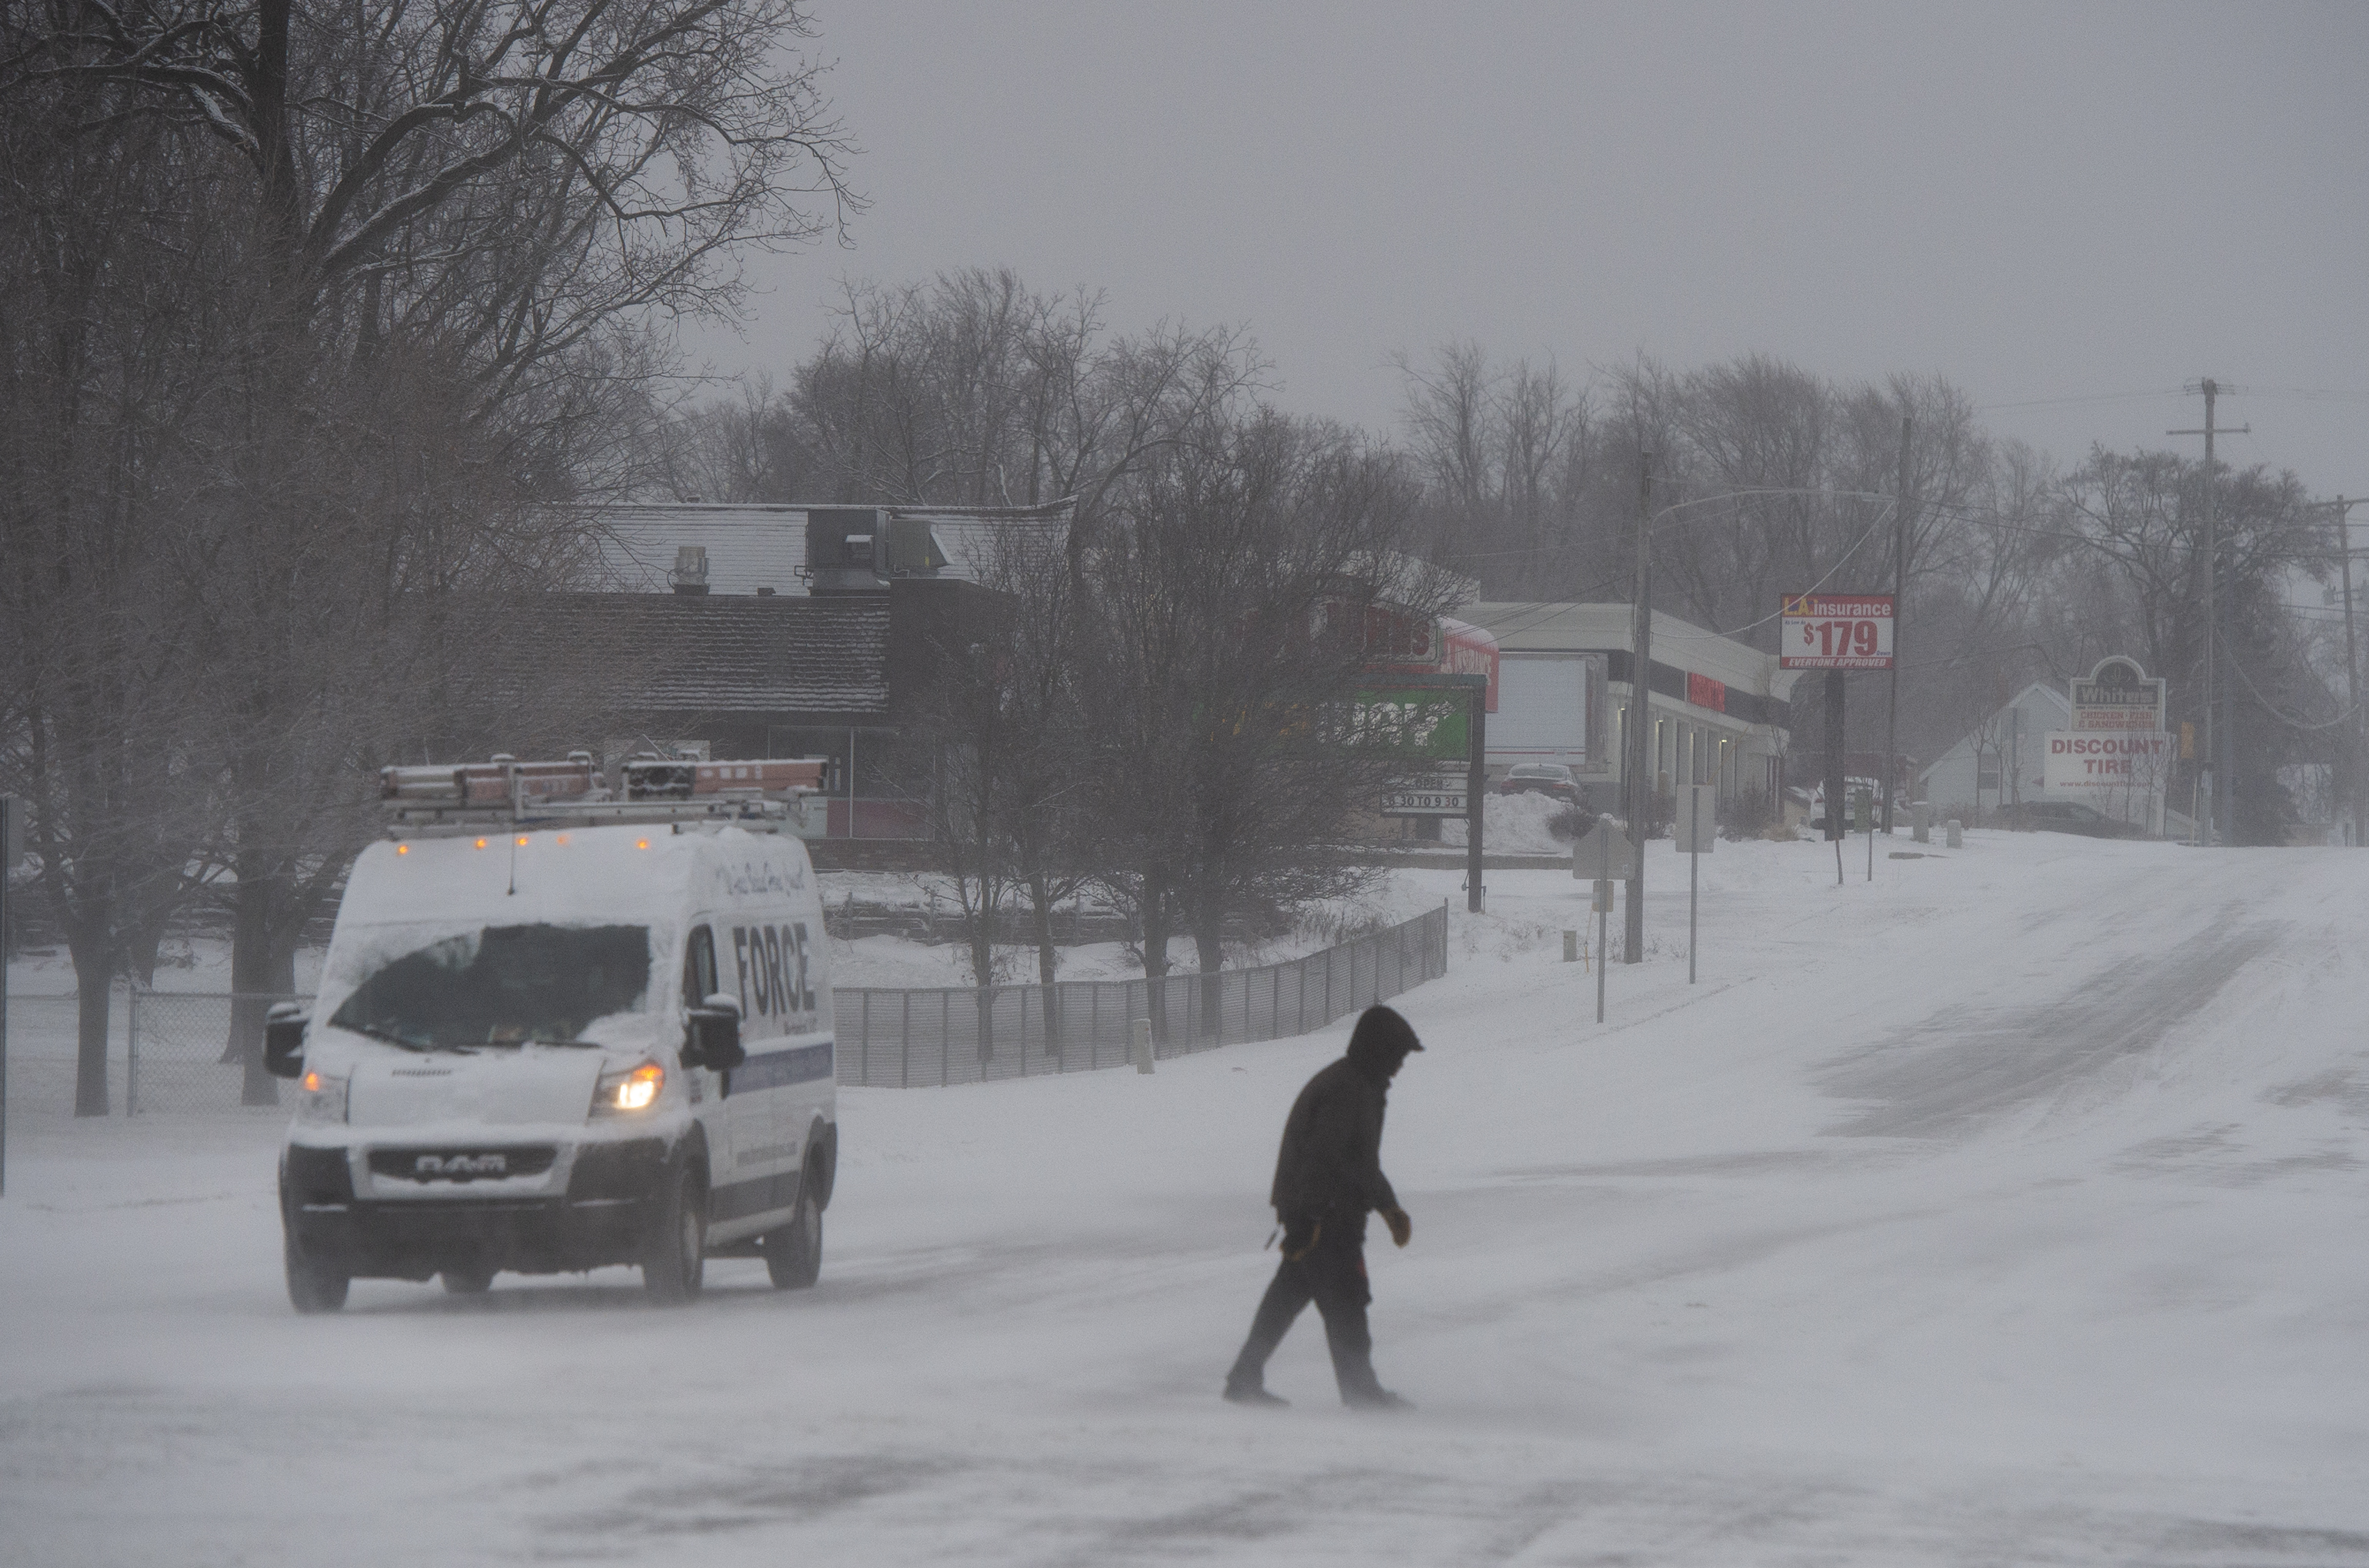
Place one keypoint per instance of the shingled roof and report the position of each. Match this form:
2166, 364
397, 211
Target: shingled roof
822, 659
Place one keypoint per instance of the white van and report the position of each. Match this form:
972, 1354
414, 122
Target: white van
559, 1028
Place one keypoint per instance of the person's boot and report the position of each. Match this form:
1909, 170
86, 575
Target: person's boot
1377, 1397
1254, 1394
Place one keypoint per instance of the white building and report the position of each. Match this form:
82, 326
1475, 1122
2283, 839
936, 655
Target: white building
2003, 761
1999, 761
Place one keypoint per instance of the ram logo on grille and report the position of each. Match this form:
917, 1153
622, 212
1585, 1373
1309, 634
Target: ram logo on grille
460, 1167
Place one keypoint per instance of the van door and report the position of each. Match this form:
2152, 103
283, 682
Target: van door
700, 981
812, 1093
764, 1159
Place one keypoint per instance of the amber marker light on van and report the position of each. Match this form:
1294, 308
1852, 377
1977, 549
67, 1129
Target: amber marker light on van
641, 843
522, 841
312, 1084
402, 849
481, 843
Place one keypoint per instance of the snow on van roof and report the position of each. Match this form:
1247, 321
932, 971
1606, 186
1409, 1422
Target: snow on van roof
648, 872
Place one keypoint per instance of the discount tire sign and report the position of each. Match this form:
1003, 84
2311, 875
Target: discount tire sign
1836, 631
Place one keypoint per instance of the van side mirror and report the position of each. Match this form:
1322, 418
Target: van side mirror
714, 1041
283, 1040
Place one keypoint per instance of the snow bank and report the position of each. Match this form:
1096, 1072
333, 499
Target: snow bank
1513, 824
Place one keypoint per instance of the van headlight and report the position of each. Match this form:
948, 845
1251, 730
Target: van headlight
321, 1097
633, 1089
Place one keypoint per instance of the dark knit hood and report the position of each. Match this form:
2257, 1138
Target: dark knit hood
1381, 1042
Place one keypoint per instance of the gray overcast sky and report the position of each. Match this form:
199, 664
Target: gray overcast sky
2039, 202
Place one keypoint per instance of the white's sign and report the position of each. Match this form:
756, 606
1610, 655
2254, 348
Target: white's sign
1835, 631
2118, 695
2084, 759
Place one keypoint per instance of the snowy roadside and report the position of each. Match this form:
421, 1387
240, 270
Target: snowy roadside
1987, 1212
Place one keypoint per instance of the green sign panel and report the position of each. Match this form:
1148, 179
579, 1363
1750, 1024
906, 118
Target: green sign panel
1435, 725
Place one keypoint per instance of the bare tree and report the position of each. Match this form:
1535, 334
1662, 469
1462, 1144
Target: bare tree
106, 347
1229, 594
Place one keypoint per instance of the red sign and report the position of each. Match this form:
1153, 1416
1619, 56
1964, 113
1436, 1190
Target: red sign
1835, 631
1705, 693
1471, 650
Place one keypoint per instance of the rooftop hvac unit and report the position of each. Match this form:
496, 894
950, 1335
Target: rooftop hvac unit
859, 549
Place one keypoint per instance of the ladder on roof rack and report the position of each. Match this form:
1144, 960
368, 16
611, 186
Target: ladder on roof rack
762, 796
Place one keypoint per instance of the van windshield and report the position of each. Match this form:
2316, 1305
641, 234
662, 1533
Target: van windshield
503, 985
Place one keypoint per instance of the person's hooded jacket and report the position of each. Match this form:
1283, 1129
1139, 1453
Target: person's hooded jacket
1330, 1160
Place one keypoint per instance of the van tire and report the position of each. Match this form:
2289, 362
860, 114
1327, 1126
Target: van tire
312, 1287
674, 1253
467, 1281
793, 1252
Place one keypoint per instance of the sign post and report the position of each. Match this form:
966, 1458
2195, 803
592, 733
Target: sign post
1864, 806
1836, 631
1603, 855
1436, 721
12, 849
1697, 831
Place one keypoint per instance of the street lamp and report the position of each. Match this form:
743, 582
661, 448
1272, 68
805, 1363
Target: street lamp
1636, 795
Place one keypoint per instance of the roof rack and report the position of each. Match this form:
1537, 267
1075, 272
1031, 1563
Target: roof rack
763, 796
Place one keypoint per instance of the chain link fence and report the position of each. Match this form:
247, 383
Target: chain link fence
176, 1045
166, 1049
42, 1032
909, 1039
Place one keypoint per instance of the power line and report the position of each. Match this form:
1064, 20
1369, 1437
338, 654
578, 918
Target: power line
2085, 398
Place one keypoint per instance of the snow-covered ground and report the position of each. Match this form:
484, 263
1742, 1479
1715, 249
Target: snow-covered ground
2005, 1210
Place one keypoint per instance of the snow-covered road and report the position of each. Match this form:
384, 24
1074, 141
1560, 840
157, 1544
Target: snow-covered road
2007, 1210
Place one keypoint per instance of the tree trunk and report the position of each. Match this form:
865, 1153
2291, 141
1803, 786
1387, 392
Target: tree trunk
94, 961
1040, 900
1212, 955
1155, 953
253, 978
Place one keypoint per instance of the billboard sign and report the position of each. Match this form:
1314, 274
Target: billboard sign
2117, 695
2088, 759
1547, 715
1835, 631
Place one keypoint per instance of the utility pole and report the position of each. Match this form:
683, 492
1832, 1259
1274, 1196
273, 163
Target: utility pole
1637, 799
2351, 664
1899, 591
2350, 771
2220, 741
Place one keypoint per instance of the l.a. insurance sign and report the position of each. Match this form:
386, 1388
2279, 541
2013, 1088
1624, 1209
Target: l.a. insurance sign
1836, 631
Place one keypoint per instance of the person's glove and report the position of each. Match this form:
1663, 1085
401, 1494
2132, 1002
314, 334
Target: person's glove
1402, 1228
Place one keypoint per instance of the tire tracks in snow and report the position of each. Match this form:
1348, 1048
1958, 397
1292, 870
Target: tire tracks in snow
1964, 1065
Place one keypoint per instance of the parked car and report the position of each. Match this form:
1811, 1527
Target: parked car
1541, 778
2068, 817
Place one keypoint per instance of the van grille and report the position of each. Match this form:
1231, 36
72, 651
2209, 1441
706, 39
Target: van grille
462, 1164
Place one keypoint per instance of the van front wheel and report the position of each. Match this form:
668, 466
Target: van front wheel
793, 1252
312, 1287
674, 1255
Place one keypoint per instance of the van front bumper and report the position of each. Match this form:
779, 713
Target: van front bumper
601, 1220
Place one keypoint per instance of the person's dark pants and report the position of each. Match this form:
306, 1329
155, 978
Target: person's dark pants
1323, 1262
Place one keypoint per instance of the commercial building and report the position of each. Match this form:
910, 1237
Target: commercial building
1718, 707
768, 631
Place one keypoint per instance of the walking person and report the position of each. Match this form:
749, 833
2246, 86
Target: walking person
1327, 1178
